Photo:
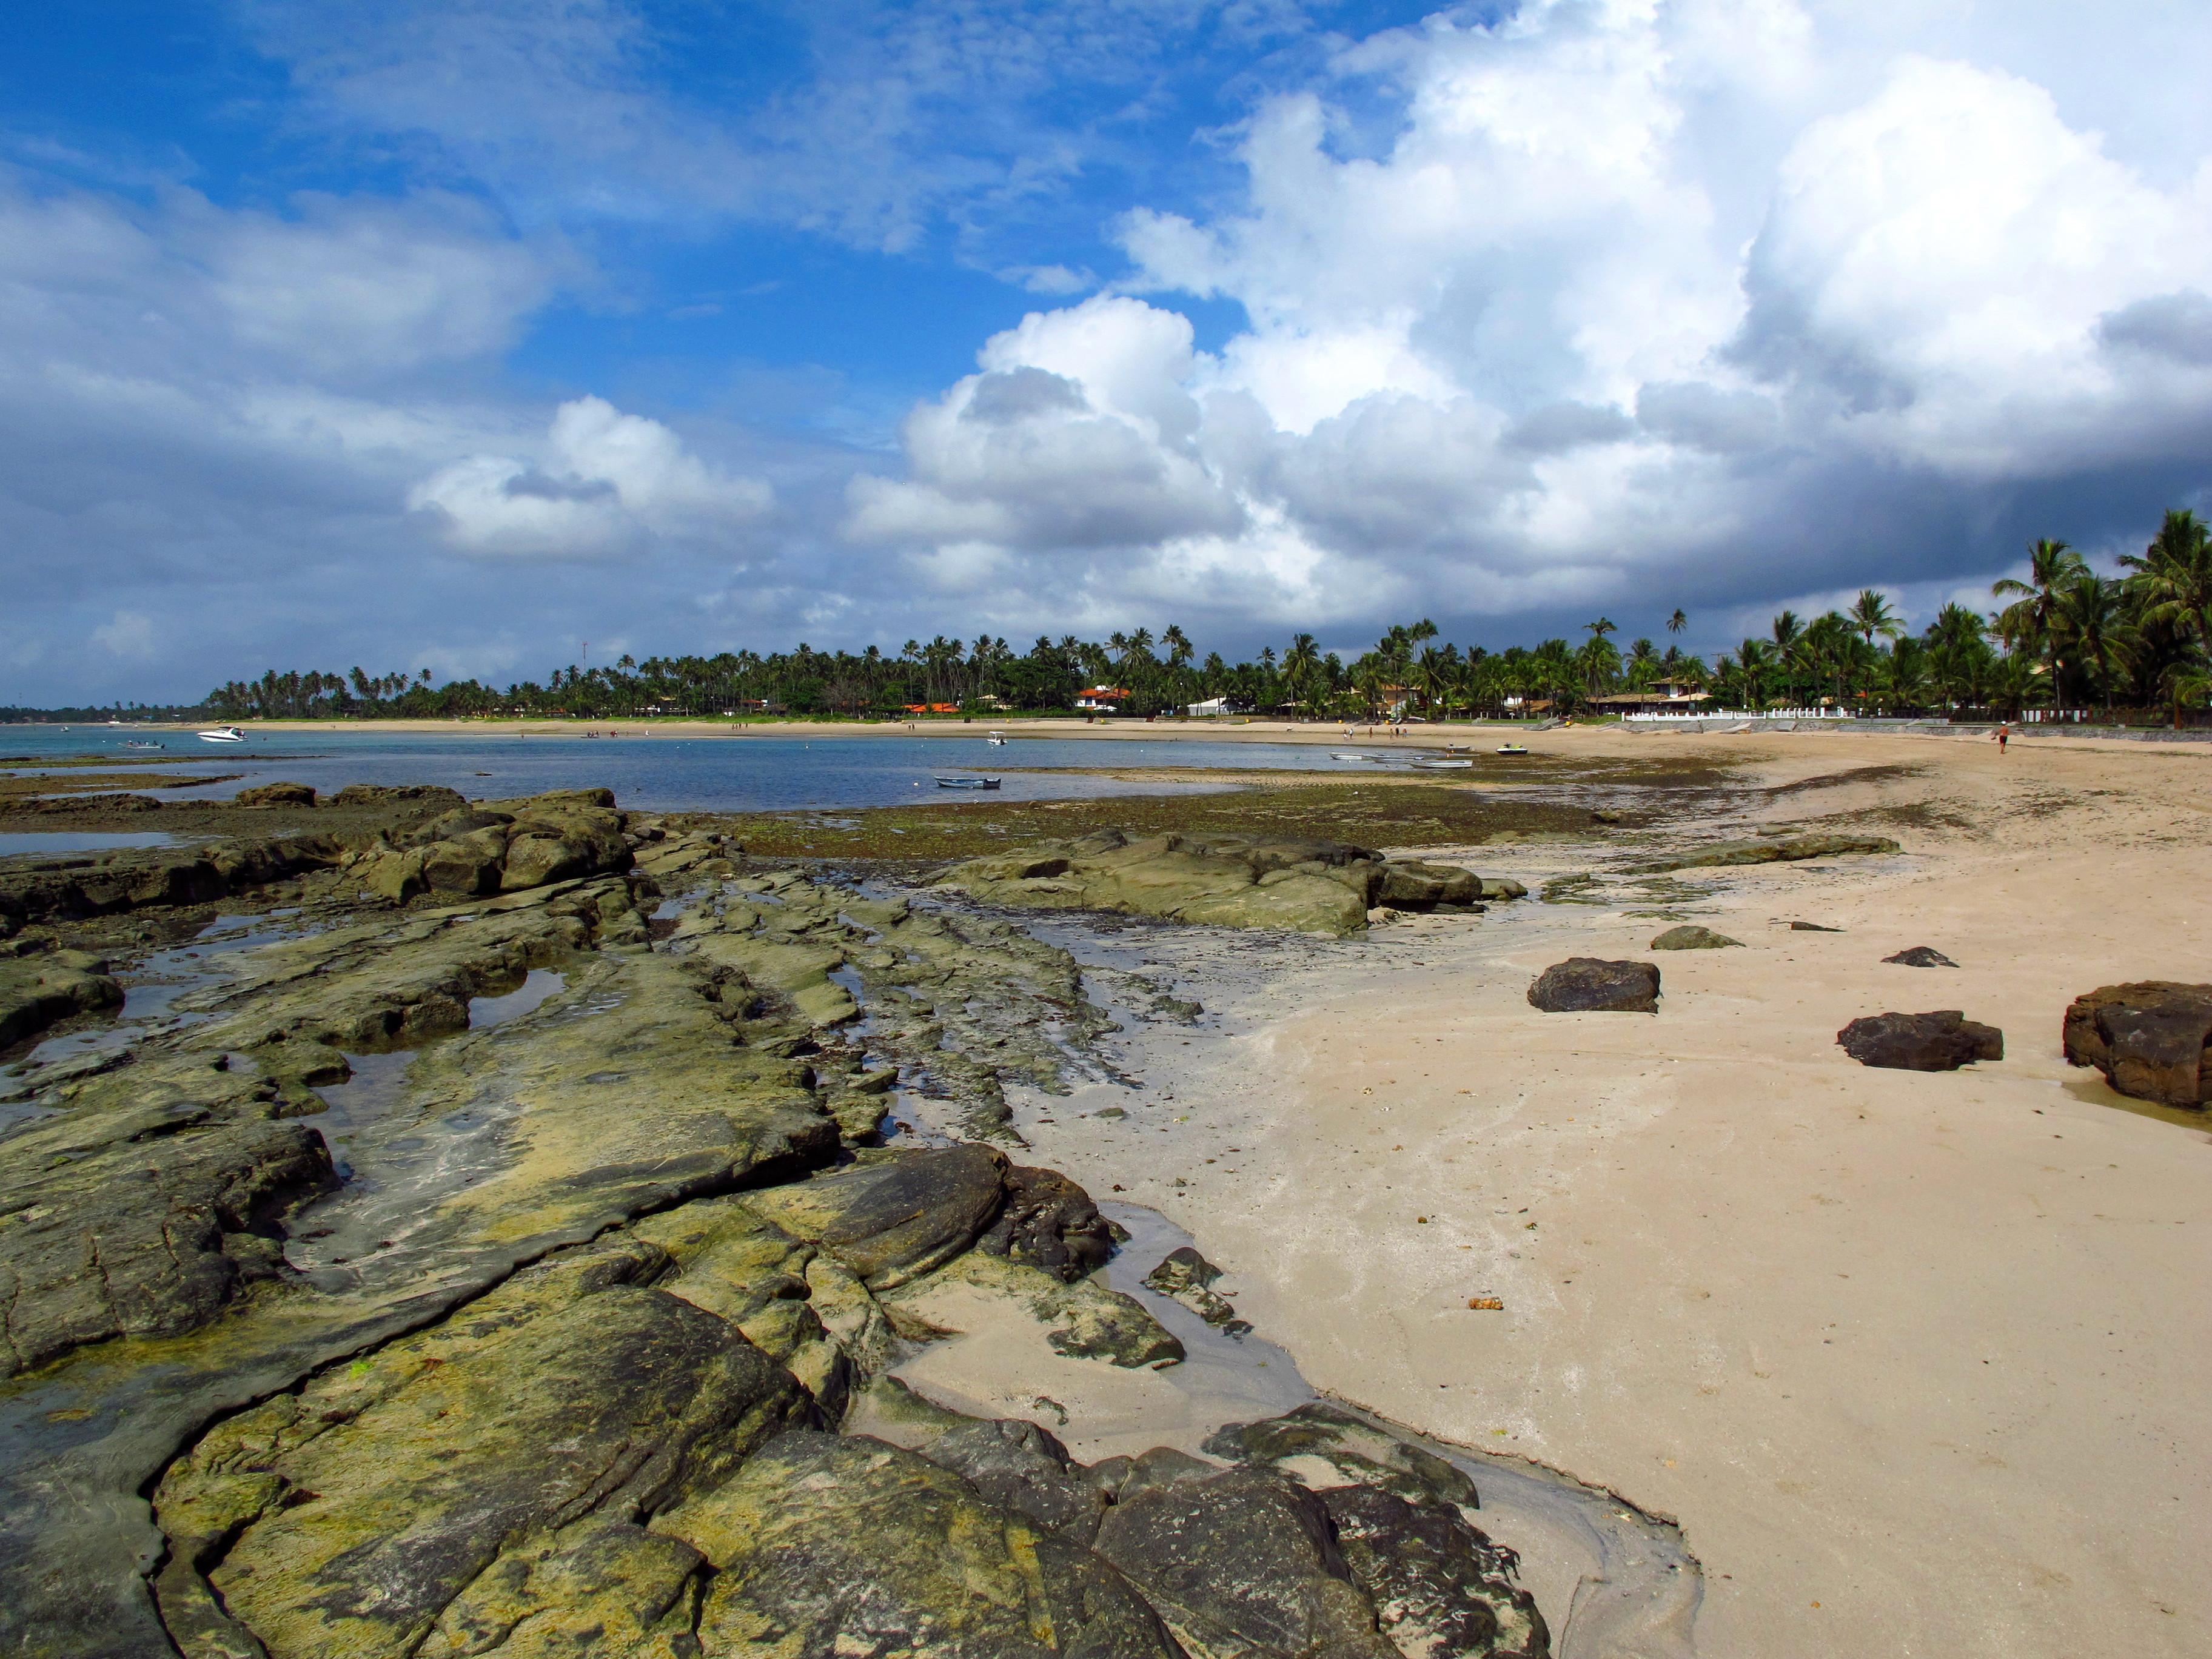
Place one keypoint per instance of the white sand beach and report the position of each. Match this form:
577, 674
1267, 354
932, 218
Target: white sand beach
1915, 1359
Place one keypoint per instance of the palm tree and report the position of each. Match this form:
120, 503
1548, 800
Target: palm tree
1643, 666
2173, 577
2034, 619
2095, 620
1755, 659
1679, 621
1299, 663
1871, 615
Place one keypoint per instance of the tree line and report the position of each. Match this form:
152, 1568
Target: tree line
2062, 636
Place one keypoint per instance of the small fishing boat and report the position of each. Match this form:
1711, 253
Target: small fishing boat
1512, 748
1334, 756
996, 740
967, 783
1441, 762
220, 734
136, 743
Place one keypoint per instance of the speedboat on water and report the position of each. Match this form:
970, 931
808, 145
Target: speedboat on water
220, 734
967, 783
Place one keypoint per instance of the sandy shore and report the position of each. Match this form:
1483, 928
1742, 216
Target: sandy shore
1915, 1360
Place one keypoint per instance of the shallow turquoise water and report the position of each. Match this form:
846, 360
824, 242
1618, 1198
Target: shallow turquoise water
746, 774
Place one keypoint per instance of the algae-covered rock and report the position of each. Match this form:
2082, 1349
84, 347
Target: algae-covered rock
350, 1517
1082, 1319
1781, 849
36, 991
1243, 1561
1319, 887
1690, 937
275, 794
1325, 1445
147, 1220
1189, 1277
895, 1215
826, 1546
1438, 1585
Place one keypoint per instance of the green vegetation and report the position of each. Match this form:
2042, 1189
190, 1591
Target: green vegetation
2067, 638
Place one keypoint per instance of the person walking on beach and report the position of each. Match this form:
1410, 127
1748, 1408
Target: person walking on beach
2002, 735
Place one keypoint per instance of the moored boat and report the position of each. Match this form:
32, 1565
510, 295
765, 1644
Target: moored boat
1512, 748
967, 783
222, 734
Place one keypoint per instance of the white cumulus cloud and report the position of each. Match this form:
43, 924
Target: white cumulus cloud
602, 482
1639, 300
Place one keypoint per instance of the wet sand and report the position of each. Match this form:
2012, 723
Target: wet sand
1915, 1360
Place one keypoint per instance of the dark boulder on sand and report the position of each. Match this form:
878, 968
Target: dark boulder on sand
1922, 956
2149, 1038
1588, 984
1940, 1042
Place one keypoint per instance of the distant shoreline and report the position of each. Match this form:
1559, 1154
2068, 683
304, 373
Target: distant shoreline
1322, 733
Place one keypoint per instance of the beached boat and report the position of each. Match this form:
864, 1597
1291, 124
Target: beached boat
1441, 762
222, 734
967, 783
1334, 756
1512, 748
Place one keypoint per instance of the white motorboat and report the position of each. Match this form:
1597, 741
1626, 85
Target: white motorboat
967, 783
220, 734
996, 740
1441, 762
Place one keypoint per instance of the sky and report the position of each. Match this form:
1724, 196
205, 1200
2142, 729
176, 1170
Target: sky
467, 335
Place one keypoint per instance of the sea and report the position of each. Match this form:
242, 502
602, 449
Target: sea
723, 775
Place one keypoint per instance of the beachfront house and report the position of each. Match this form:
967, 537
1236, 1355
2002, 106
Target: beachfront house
1102, 700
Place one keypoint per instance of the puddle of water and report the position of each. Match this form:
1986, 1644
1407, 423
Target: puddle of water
537, 984
49, 843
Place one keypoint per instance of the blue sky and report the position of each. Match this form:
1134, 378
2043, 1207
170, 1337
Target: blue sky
448, 335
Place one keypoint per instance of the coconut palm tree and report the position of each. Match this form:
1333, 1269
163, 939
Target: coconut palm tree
2033, 620
2094, 613
1679, 621
2172, 579
1871, 615
1643, 666
1755, 660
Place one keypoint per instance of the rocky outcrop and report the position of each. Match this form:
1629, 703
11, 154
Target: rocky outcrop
1922, 956
496, 847
1780, 849
1940, 1042
275, 794
38, 992
105, 884
533, 1341
1590, 984
148, 1219
824, 1545
1230, 881
1690, 937
2149, 1038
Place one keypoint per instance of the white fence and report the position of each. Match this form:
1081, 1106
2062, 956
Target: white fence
1749, 714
